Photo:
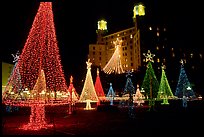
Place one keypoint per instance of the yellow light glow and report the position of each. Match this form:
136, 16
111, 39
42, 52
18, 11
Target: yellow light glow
102, 25
138, 10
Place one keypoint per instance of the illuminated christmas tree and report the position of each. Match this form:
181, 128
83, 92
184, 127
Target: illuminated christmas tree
99, 88
111, 94
72, 91
40, 52
184, 88
150, 83
38, 94
130, 89
114, 64
40, 70
39, 91
164, 87
14, 83
74, 97
88, 93
139, 97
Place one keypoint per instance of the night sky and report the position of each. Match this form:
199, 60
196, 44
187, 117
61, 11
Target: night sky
76, 24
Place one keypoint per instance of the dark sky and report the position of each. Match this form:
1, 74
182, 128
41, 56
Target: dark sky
76, 24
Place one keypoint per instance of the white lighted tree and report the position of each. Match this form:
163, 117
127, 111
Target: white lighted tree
114, 64
88, 92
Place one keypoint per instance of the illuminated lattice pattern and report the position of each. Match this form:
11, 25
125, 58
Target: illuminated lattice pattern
88, 91
40, 52
114, 64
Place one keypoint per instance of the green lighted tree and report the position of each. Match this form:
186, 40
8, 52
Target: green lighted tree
164, 87
150, 83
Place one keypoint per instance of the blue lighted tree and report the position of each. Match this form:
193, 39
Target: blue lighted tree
130, 89
184, 88
111, 94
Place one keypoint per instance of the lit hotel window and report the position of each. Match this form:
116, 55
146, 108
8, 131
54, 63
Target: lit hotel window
191, 55
150, 28
158, 60
200, 55
157, 34
164, 29
157, 47
131, 36
173, 54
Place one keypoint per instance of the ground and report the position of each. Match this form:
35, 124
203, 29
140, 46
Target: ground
171, 119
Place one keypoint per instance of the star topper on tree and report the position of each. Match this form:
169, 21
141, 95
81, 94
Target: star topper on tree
149, 56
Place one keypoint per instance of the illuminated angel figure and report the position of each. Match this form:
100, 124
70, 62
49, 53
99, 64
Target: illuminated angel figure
114, 64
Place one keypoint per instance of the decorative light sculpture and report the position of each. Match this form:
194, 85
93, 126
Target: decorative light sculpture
40, 71
99, 88
88, 93
114, 64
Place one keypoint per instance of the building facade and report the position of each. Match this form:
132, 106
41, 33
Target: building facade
101, 52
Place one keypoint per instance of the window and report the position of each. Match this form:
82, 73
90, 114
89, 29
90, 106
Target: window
93, 48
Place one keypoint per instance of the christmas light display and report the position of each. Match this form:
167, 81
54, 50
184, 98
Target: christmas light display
111, 94
40, 71
130, 89
165, 100
114, 64
37, 118
184, 88
150, 84
16, 81
99, 88
39, 92
88, 93
40, 52
72, 91
139, 97
74, 97
164, 87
